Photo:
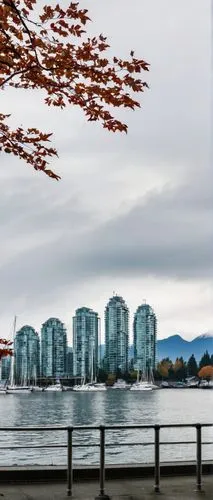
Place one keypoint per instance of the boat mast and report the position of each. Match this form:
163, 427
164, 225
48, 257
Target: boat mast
92, 366
12, 357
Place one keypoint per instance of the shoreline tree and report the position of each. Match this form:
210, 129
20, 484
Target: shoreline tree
48, 49
205, 360
192, 367
206, 372
5, 348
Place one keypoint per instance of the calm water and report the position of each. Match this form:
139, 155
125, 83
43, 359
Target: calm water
110, 407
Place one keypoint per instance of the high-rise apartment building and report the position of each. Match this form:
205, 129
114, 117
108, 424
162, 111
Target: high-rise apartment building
26, 355
116, 335
85, 343
53, 348
5, 368
69, 368
145, 332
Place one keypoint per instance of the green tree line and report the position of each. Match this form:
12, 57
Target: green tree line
166, 369
181, 369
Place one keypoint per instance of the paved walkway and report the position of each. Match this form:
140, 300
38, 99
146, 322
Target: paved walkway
176, 488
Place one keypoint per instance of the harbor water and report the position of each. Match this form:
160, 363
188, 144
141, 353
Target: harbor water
111, 407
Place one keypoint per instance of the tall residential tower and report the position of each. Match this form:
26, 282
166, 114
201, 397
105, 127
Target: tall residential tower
116, 335
85, 343
53, 348
145, 331
26, 356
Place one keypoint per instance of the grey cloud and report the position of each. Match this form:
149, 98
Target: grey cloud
170, 235
53, 236
167, 234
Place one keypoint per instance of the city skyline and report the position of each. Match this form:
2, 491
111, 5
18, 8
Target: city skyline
57, 359
50, 356
69, 324
131, 213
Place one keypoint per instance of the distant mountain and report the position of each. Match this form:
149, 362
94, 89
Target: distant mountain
175, 346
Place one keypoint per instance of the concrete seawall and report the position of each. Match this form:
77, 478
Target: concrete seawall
113, 472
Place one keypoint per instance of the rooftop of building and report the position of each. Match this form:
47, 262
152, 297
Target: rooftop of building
116, 299
85, 309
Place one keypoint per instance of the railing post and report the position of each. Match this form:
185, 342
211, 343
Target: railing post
199, 457
69, 461
102, 495
157, 459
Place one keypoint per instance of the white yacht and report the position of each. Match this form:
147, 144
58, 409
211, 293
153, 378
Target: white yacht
97, 387
54, 387
37, 388
90, 387
141, 386
3, 390
203, 384
120, 384
18, 389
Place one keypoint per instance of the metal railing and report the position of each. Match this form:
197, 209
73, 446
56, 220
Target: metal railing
102, 445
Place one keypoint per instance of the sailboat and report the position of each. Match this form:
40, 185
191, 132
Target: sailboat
35, 387
80, 387
92, 386
12, 388
151, 381
3, 391
141, 385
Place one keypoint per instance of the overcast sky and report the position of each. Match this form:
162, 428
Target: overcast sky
132, 214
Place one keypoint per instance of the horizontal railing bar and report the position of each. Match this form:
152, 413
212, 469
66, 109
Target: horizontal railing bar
32, 428
33, 447
107, 427
149, 443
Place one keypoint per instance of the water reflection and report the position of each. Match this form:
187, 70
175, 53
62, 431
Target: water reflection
109, 408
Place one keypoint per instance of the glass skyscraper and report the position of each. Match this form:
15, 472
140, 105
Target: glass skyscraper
85, 343
145, 332
26, 356
53, 348
116, 335
69, 361
5, 368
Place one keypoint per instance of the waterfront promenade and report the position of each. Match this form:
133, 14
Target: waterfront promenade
172, 488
